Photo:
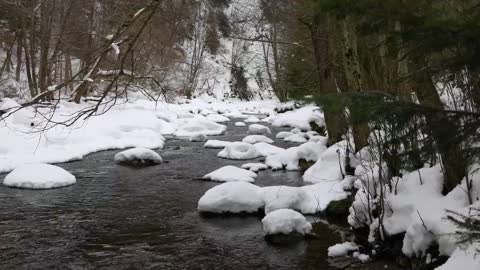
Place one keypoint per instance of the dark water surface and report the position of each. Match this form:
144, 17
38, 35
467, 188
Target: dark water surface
117, 217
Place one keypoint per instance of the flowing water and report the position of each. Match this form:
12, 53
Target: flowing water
118, 217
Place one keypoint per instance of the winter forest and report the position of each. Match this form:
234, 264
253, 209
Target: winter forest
240, 134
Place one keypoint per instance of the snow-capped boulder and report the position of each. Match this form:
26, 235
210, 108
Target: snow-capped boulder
240, 124
300, 118
266, 149
283, 134
252, 119
258, 129
231, 174
138, 157
39, 176
254, 167
239, 151
285, 221
232, 197
217, 118
216, 144
296, 138
198, 138
282, 197
253, 139
195, 126
342, 249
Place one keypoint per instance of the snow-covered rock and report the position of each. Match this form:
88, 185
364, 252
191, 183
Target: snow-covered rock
198, 138
239, 151
300, 118
216, 144
138, 156
195, 126
252, 119
266, 149
283, 134
285, 221
286, 158
232, 197
39, 176
296, 138
231, 174
330, 165
217, 118
254, 167
343, 249
282, 197
240, 124
258, 129
253, 139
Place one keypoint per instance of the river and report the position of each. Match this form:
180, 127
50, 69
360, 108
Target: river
118, 217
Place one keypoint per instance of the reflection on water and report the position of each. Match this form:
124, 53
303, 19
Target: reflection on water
117, 217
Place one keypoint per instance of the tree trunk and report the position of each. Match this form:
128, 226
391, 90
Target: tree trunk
334, 114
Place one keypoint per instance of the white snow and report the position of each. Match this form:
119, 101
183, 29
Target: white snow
240, 124
283, 134
253, 139
232, 197
39, 176
286, 158
252, 119
285, 221
217, 118
300, 118
239, 151
258, 129
254, 167
330, 165
216, 144
231, 174
198, 126
463, 259
266, 149
343, 249
139, 154
296, 138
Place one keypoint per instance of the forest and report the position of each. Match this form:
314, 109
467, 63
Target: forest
348, 131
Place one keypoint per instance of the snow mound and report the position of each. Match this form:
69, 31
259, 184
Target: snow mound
300, 118
286, 158
330, 165
254, 167
311, 151
240, 124
217, 118
7, 104
39, 176
266, 149
258, 129
239, 151
231, 174
198, 138
296, 138
252, 119
285, 221
138, 156
283, 134
195, 126
232, 197
253, 139
216, 144
282, 197
343, 249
